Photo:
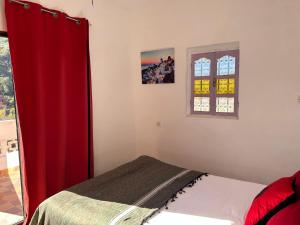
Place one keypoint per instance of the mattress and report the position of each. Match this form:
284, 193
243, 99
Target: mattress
213, 201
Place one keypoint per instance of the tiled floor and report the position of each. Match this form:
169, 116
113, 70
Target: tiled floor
10, 196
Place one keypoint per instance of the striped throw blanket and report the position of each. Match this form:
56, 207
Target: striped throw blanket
127, 195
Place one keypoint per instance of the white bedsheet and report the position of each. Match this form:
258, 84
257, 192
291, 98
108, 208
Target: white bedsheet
212, 201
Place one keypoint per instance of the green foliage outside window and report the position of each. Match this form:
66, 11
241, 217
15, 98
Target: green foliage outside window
7, 102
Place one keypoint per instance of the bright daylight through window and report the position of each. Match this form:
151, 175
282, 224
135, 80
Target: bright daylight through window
11, 209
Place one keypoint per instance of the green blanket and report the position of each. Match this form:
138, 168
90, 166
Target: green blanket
127, 195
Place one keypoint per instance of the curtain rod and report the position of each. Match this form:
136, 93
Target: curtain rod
27, 6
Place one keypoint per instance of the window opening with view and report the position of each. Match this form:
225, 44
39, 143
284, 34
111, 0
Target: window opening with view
11, 206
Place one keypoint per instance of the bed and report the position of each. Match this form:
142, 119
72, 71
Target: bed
149, 191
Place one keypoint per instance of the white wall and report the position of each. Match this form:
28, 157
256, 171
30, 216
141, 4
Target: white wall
2, 17
265, 142
114, 134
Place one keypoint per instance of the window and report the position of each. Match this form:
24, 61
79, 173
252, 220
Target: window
11, 207
214, 78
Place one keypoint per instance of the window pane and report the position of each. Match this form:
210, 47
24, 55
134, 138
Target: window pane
202, 67
225, 105
201, 104
226, 86
226, 65
201, 87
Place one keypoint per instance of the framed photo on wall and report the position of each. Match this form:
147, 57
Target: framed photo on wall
158, 66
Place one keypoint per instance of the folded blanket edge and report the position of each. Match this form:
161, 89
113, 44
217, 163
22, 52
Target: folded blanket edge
174, 197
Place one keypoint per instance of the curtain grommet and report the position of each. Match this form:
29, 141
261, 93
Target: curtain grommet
26, 6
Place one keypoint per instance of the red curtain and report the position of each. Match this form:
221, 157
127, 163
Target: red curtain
51, 71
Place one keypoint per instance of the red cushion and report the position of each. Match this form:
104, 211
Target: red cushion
297, 184
273, 198
290, 215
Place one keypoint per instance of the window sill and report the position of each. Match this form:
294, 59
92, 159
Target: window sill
212, 116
